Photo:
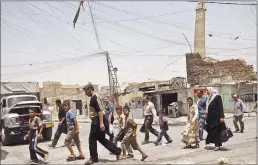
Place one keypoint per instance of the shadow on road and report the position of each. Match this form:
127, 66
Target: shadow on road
212, 148
3, 154
106, 161
19, 142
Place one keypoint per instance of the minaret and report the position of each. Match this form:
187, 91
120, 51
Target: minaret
199, 34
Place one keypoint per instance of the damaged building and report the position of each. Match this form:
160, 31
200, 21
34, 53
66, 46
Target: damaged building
162, 94
203, 70
227, 76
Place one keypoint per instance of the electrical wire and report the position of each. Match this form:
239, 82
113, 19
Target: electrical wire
61, 30
53, 61
224, 49
111, 7
228, 3
140, 18
95, 28
68, 60
32, 32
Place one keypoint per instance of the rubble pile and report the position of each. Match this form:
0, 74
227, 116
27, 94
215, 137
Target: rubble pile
201, 70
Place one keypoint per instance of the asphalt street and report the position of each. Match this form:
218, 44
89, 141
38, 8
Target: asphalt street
241, 148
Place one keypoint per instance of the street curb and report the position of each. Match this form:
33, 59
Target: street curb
140, 123
171, 124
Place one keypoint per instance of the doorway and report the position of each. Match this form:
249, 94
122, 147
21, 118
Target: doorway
168, 99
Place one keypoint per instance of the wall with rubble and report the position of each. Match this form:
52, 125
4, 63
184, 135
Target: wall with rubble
55, 90
201, 71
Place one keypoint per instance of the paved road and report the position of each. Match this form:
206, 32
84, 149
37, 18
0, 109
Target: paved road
241, 148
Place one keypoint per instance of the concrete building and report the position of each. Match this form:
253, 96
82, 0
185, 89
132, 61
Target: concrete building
246, 91
162, 93
56, 90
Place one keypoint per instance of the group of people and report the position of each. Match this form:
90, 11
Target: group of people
207, 114
67, 124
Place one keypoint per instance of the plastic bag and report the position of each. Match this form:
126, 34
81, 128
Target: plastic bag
111, 129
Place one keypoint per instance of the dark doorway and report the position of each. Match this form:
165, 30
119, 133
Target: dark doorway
168, 99
78, 105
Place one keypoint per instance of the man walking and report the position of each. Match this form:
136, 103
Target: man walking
201, 104
150, 114
238, 113
108, 114
98, 126
62, 126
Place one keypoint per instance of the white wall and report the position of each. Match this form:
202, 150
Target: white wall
182, 97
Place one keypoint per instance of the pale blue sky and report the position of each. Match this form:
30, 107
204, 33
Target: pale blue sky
42, 33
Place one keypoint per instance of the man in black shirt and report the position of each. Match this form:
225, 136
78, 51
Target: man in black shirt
62, 127
98, 125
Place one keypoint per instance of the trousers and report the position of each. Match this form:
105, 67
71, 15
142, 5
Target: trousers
33, 147
162, 133
119, 137
148, 128
239, 119
97, 135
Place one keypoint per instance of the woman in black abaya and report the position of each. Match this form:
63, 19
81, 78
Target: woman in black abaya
215, 118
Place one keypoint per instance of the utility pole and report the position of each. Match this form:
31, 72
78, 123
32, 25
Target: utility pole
199, 34
113, 82
112, 76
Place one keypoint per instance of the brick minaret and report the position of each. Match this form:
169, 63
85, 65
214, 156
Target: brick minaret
199, 34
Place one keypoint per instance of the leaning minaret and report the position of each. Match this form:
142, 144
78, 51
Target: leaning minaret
199, 34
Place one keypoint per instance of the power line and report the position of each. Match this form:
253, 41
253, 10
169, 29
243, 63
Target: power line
111, 7
54, 61
95, 28
119, 44
140, 18
51, 69
228, 3
43, 28
59, 29
166, 40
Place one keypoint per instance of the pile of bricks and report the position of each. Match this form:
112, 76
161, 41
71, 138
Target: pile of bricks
200, 71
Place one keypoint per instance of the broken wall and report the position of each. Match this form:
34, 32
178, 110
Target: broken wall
201, 70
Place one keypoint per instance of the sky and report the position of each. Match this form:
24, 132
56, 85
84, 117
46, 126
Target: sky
39, 42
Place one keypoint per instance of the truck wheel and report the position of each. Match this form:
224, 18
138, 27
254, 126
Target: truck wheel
5, 138
47, 134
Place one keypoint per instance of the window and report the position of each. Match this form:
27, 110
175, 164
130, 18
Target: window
4, 103
15, 100
247, 98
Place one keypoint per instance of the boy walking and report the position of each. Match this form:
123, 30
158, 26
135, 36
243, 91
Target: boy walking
163, 123
35, 124
72, 133
130, 135
120, 135
62, 127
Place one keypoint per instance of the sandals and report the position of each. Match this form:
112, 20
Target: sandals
186, 147
71, 158
144, 157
